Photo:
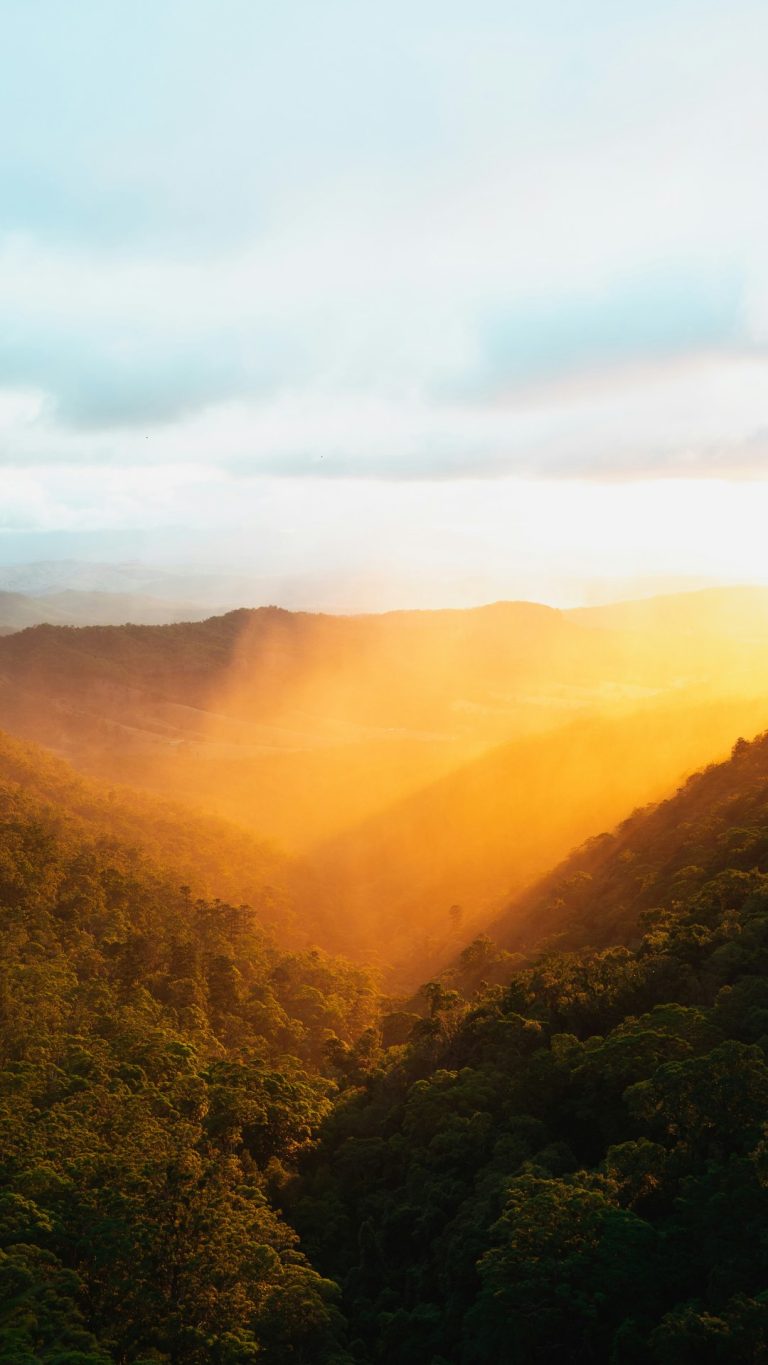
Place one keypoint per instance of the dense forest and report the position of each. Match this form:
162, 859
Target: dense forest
162, 1067
218, 857
217, 1149
571, 1166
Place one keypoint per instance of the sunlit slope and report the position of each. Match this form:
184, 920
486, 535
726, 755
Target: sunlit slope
414, 880
301, 725
657, 857
211, 857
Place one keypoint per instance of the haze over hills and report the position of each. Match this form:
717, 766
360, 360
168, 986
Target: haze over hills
70, 607
214, 1076
496, 738
497, 823
334, 716
211, 587
212, 857
657, 856
729, 613
181, 1096
131, 577
170, 1012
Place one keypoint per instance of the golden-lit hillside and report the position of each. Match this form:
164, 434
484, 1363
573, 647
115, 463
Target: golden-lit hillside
413, 881
411, 763
654, 861
300, 725
212, 857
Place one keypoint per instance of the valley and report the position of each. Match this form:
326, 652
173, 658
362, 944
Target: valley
352, 993
496, 738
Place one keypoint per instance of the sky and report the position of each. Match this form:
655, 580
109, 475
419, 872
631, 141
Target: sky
420, 302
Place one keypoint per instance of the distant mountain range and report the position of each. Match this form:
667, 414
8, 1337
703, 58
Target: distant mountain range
132, 577
72, 607
209, 588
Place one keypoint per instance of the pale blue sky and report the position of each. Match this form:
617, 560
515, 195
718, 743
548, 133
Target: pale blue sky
243, 242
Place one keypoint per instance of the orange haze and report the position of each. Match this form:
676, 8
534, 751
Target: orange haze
408, 762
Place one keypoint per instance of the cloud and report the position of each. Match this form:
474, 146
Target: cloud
297, 357
402, 246
702, 415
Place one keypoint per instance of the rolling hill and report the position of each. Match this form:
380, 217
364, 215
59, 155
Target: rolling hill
297, 724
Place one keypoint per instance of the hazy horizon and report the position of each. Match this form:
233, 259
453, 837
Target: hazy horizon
224, 586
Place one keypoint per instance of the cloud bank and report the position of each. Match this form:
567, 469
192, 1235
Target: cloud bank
301, 241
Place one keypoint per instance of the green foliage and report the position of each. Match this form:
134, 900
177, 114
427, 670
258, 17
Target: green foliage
212, 855
571, 1166
160, 1070
704, 845
574, 1168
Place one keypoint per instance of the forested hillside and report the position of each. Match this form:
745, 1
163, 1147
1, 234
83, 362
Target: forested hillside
717, 821
162, 1066
571, 1167
214, 856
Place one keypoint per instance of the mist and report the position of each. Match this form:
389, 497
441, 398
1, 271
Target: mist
402, 764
